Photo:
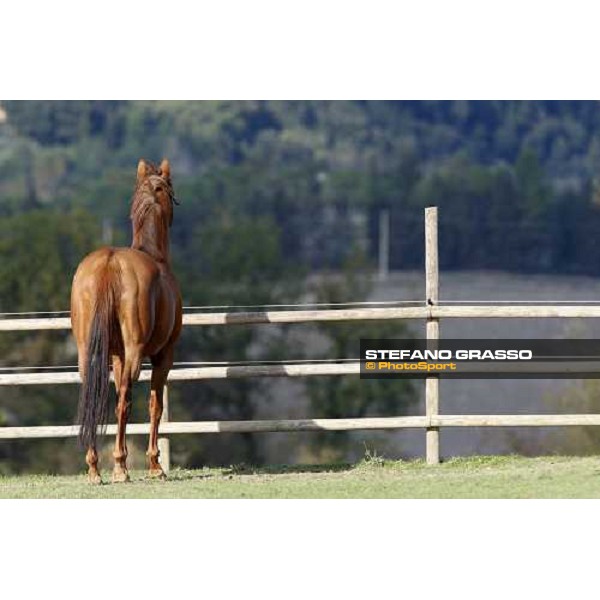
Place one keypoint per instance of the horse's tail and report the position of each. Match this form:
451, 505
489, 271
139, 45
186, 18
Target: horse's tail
93, 399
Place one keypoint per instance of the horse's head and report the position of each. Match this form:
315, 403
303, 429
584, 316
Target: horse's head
153, 192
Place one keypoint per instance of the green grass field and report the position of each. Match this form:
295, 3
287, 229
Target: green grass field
475, 477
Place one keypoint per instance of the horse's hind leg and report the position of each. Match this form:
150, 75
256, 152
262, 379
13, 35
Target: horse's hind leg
117, 364
130, 368
161, 364
91, 456
120, 472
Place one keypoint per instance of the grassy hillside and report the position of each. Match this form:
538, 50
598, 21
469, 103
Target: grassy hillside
475, 477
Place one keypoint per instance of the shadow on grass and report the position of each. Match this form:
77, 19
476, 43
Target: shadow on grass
243, 469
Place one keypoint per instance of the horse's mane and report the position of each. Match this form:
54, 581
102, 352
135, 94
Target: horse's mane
155, 231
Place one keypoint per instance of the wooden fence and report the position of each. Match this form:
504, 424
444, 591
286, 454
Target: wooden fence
430, 311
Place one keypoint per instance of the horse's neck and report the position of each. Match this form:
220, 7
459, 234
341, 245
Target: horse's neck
153, 239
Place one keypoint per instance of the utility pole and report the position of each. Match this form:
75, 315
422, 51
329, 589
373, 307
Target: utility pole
107, 232
384, 244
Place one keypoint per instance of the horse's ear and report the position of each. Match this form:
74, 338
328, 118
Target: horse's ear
165, 169
141, 171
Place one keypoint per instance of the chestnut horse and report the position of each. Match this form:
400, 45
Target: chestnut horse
126, 305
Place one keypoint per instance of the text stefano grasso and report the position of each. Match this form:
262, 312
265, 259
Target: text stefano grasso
458, 354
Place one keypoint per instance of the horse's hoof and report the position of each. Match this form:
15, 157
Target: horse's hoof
120, 476
157, 474
94, 478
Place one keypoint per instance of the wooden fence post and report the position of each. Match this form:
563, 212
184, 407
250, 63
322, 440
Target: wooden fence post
432, 384
164, 446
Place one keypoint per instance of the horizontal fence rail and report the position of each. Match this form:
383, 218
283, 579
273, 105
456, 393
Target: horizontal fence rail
291, 425
476, 311
431, 312
292, 370
221, 372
